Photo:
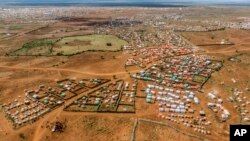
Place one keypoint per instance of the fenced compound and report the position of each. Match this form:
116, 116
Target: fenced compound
44, 99
117, 97
185, 72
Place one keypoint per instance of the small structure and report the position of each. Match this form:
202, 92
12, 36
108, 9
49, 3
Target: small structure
202, 113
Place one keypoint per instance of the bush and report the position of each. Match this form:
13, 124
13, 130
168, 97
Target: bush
59, 54
22, 136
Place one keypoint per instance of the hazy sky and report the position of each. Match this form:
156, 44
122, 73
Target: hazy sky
96, 1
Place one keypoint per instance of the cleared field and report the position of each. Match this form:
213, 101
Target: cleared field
70, 45
200, 38
77, 44
151, 132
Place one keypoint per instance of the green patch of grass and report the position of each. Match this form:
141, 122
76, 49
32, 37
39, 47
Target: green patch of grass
77, 44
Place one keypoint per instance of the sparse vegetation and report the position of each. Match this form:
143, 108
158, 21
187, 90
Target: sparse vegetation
36, 47
199, 79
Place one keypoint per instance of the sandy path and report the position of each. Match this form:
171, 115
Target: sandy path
66, 70
39, 132
227, 51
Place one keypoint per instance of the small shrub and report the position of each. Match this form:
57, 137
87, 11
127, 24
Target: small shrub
22, 136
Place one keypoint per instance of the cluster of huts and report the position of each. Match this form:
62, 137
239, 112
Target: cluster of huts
36, 103
22, 112
46, 95
107, 98
171, 100
241, 103
39, 101
198, 28
216, 107
136, 37
188, 72
175, 105
170, 77
174, 76
178, 41
199, 124
129, 93
161, 20
145, 56
119, 22
237, 25
128, 97
71, 84
74, 87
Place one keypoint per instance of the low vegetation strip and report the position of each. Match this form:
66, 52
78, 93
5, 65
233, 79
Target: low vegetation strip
35, 47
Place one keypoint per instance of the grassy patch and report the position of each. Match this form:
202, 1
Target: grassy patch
70, 45
77, 44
